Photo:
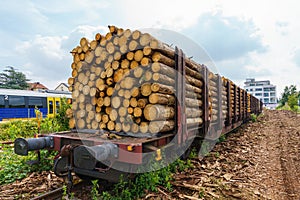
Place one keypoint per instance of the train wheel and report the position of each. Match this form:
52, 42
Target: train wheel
61, 167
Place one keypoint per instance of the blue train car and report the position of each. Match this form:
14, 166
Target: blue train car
21, 104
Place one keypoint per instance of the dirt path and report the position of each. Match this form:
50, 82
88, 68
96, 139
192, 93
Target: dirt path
278, 160
261, 160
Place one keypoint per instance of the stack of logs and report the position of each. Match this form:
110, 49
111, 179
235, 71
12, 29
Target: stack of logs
125, 81
213, 92
213, 96
224, 99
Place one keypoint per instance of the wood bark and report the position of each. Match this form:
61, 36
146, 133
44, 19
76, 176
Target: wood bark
161, 126
158, 112
158, 98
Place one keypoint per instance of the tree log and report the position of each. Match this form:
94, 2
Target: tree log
158, 112
144, 127
193, 81
116, 102
160, 78
133, 102
113, 115
160, 88
162, 48
158, 98
158, 57
163, 69
193, 102
193, 95
191, 122
161, 126
137, 112
138, 72
111, 125
134, 128
126, 126
122, 111
193, 113
126, 103
145, 39
146, 89
138, 55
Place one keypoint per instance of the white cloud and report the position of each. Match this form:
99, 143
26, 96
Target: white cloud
236, 38
47, 59
226, 37
21, 18
175, 15
69, 6
44, 58
296, 57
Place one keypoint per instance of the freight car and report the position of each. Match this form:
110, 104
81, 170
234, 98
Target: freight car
21, 104
105, 154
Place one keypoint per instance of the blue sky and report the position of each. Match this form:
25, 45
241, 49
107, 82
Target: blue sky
256, 39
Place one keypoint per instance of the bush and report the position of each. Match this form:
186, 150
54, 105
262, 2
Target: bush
253, 117
14, 129
293, 102
60, 117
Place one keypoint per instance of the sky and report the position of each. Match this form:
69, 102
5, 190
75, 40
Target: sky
242, 39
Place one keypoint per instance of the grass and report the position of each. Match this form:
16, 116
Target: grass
146, 182
14, 167
287, 107
253, 117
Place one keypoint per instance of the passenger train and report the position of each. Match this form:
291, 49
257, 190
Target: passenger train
21, 104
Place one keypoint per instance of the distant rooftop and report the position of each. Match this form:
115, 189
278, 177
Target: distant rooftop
37, 86
252, 82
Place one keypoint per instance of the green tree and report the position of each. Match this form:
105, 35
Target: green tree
61, 117
10, 78
288, 91
293, 102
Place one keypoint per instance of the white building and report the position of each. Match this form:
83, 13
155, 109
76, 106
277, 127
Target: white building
263, 90
62, 87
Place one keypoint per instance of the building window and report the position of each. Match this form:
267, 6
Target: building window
272, 89
266, 100
2, 103
35, 102
266, 94
266, 89
57, 105
258, 89
272, 94
251, 89
247, 90
16, 102
252, 84
258, 94
272, 100
51, 107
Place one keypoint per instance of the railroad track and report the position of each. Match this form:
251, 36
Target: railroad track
58, 193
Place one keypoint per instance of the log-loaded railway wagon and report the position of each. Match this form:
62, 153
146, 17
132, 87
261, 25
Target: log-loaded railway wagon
136, 99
